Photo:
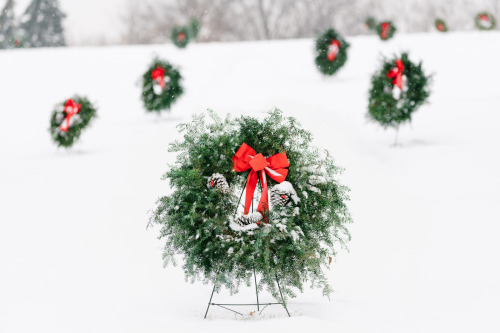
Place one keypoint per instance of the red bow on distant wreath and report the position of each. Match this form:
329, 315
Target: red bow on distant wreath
71, 109
397, 74
274, 166
181, 37
158, 75
484, 17
384, 30
333, 49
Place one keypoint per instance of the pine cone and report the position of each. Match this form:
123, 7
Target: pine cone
279, 197
218, 181
244, 220
282, 194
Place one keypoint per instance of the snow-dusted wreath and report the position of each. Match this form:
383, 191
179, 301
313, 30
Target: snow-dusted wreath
485, 21
180, 36
161, 86
69, 119
220, 218
398, 88
331, 52
385, 30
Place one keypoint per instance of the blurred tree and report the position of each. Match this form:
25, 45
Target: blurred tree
41, 24
194, 27
7, 25
131, 20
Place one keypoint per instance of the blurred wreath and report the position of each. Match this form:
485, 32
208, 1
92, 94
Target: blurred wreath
161, 86
485, 21
385, 30
331, 52
397, 90
69, 119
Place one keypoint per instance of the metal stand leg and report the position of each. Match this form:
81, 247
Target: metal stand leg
282, 299
396, 140
209, 302
265, 305
256, 290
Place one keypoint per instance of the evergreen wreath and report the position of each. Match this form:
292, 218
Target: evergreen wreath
290, 238
18, 43
370, 23
331, 52
385, 30
69, 119
180, 36
397, 90
441, 25
485, 21
161, 86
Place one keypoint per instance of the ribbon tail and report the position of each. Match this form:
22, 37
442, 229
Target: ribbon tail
65, 125
385, 31
263, 207
251, 185
398, 81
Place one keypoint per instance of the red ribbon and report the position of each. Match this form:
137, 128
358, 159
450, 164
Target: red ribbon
71, 109
384, 30
333, 49
274, 166
440, 26
396, 74
158, 75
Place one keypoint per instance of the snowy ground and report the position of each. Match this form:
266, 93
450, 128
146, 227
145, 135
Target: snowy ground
75, 255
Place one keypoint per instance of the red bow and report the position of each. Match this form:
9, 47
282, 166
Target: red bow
397, 74
158, 75
440, 26
274, 166
484, 17
384, 30
333, 49
71, 109
181, 37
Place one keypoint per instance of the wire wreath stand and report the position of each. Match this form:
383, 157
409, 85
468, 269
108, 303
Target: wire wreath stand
224, 305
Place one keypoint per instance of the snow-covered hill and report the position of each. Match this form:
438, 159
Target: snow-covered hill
75, 255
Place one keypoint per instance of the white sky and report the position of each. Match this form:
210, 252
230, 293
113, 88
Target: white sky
86, 20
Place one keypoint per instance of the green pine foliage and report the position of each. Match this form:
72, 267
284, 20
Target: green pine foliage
7, 25
383, 107
154, 102
381, 31
370, 23
485, 24
80, 122
194, 28
41, 24
324, 64
441, 25
299, 240
180, 36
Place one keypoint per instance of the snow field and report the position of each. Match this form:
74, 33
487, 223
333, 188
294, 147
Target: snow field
74, 250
